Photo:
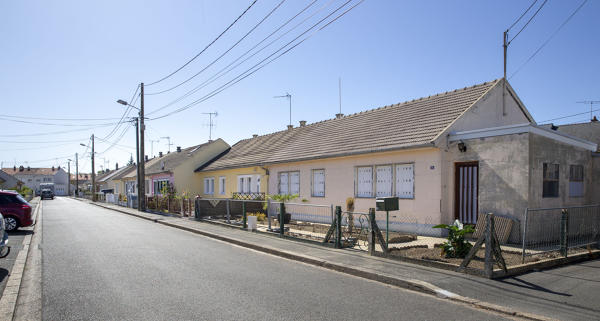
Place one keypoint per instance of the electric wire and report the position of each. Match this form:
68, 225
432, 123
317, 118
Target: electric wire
249, 72
521, 17
41, 142
125, 113
528, 21
225, 69
60, 119
205, 48
568, 116
52, 124
548, 40
223, 54
56, 132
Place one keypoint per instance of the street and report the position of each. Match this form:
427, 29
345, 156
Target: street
102, 265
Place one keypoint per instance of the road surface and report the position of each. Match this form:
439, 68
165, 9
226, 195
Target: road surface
102, 265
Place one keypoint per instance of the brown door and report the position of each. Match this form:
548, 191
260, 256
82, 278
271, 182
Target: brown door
466, 187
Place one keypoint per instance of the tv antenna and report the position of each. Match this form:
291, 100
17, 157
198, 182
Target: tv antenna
210, 123
592, 103
168, 138
152, 141
289, 97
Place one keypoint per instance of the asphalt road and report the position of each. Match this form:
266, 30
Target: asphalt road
103, 265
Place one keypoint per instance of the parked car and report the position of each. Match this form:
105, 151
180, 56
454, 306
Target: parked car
15, 209
47, 193
4, 248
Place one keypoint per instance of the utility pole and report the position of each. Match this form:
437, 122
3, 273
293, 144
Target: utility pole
76, 174
93, 173
69, 175
592, 103
289, 97
505, 46
137, 159
168, 138
210, 124
142, 163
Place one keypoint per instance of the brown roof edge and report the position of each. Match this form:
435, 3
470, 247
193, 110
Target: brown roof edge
430, 144
212, 160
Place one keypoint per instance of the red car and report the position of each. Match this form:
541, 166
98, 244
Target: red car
15, 209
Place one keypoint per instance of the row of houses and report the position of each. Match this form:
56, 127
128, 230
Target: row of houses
447, 156
35, 177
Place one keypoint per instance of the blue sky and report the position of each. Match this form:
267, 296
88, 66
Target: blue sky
74, 59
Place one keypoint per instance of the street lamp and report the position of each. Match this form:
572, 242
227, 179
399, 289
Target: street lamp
69, 175
139, 145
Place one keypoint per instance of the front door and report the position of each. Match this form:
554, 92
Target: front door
466, 187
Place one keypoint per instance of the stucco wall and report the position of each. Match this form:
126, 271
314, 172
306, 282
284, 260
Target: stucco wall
589, 131
503, 176
183, 175
545, 150
231, 179
595, 199
487, 112
340, 183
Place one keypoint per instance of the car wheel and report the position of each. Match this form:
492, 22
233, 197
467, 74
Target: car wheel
10, 223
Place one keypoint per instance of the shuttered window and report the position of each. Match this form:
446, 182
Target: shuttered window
405, 179
318, 182
294, 183
575, 181
222, 185
364, 177
383, 181
283, 183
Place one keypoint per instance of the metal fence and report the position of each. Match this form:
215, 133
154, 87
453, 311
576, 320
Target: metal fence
560, 229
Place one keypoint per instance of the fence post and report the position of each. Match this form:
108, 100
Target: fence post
338, 227
228, 212
524, 236
564, 232
196, 208
269, 214
489, 229
244, 221
281, 216
371, 235
182, 209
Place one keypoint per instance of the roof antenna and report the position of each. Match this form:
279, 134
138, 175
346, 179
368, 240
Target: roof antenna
339, 115
591, 102
210, 124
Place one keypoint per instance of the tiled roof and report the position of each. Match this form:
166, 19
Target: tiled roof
408, 124
168, 162
133, 172
30, 171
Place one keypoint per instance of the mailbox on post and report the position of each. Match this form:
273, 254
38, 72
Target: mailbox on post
386, 203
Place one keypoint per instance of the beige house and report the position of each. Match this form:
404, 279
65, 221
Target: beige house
448, 156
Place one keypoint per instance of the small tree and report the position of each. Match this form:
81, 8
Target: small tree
456, 245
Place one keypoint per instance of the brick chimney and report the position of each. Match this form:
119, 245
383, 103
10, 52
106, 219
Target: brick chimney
289, 127
302, 123
179, 149
159, 154
21, 168
254, 135
53, 168
116, 166
338, 116
146, 157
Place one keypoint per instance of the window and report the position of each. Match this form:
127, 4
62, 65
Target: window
209, 185
318, 182
222, 185
248, 184
47, 179
289, 183
576, 181
383, 180
364, 177
146, 186
405, 179
550, 183
159, 185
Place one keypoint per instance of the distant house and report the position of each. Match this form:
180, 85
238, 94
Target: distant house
174, 169
8, 181
448, 156
33, 177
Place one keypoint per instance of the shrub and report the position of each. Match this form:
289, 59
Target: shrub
456, 245
261, 217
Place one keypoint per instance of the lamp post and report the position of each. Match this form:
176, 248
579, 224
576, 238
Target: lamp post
139, 137
69, 176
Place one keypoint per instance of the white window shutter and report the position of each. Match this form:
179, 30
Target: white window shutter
283, 183
318, 182
365, 182
295, 183
405, 180
383, 185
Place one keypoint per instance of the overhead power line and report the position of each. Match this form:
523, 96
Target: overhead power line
225, 70
521, 17
549, 38
528, 21
223, 54
205, 48
568, 116
51, 124
62, 119
56, 132
256, 67
41, 142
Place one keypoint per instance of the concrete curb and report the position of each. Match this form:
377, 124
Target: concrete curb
410, 284
8, 302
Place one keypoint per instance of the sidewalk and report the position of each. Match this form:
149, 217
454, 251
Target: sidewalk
567, 293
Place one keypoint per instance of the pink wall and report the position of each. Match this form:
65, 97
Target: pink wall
159, 177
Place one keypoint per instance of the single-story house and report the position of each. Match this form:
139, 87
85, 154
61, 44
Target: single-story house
8, 181
448, 156
174, 169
